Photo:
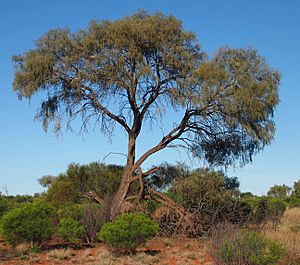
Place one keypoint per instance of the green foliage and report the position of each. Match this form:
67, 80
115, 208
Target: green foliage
227, 101
91, 215
201, 187
4, 206
79, 180
62, 191
29, 223
279, 191
151, 205
70, 210
9, 202
293, 201
212, 195
128, 231
296, 189
98, 177
45, 181
249, 248
163, 178
265, 209
70, 230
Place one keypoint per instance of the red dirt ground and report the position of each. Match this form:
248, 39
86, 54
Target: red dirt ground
164, 251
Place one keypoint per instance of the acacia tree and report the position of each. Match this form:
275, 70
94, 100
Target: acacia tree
125, 72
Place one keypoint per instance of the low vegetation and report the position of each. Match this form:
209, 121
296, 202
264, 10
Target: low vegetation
234, 246
242, 228
128, 232
30, 222
70, 230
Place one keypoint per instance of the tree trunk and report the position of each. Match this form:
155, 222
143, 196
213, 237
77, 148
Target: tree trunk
122, 191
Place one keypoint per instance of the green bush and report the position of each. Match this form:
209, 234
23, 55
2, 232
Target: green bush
70, 230
128, 231
72, 210
4, 206
293, 201
266, 209
29, 223
249, 248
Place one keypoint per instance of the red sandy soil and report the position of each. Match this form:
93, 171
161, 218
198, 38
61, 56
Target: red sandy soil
164, 251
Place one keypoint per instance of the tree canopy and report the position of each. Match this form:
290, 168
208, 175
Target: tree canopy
279, 191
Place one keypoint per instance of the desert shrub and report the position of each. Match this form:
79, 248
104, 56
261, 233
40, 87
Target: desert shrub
245, 247
93, 218
266, 210
62, 191
8, 202
70, 210
70, 230
293, 201
288, 234
91, 215
128, 231
98, 177
29, 223
4, 206
80, 181
212, 196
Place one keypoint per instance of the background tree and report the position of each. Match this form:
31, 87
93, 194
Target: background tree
141, 65
46, 180
296, 189
279, 191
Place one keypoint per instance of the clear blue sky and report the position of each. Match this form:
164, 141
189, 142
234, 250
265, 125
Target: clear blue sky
272, 27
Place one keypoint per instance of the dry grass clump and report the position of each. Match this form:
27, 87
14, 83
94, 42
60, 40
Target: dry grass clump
143, 259
105, 258
288, 235
59, 254
86, 255
23, 248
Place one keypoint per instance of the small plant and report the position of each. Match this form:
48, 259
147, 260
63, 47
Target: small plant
70, 230
191, 255
188, 245
29, 223
168, 243
248, 247
127, 232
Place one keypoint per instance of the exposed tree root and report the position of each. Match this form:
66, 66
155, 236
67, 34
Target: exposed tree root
180, 220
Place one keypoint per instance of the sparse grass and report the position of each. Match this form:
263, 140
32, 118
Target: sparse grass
105, 258
168, 243
288, 235
86, 255
143, 259
59, 254
188, 245
191, 255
